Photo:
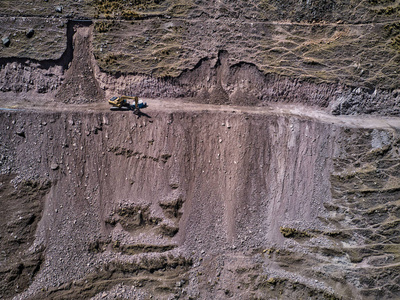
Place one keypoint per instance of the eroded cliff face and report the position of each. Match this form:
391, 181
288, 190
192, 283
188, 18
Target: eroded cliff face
339, 57
198, 204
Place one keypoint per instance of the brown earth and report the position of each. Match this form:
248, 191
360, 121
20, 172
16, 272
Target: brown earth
186, 202
21, 211
247, 177
79, 84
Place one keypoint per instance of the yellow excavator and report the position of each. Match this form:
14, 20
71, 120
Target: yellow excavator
122, 103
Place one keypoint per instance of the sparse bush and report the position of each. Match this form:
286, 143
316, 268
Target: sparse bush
130, 14
396, 43
102, 26
113, 8
293, 233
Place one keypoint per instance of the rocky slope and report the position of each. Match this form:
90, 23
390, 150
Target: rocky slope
197, 205
257, 185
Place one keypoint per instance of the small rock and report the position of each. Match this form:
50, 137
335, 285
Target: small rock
54, 166
30, 32
21, 133
59, 9
6, 41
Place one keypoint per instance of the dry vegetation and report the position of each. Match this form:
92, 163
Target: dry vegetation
39, 8
144, 47
355, 55
355, 45
48, 41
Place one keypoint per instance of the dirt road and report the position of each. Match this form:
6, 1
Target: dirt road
179, 105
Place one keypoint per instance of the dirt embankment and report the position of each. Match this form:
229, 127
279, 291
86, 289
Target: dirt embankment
193, 204
79, 84
219, 77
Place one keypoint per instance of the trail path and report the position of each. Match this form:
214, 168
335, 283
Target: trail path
179, 105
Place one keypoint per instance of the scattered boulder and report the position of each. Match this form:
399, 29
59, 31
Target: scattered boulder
54, 166
30, 32
59, 9
6, 41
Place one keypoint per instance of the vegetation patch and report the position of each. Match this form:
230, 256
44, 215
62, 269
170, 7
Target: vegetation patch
396, 43
288, 232
389, 10
392, 29
338, 234
128, 10
124, 151
381, 2
39, 45
103, 26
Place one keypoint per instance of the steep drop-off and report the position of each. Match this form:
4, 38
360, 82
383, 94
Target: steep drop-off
203, 204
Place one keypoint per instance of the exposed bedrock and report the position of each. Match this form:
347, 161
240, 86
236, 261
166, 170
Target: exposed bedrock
205, 204
217, 81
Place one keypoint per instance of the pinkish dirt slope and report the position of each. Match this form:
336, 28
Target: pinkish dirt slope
173, 204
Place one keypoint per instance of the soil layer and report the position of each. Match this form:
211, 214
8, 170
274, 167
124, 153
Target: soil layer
203, 204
